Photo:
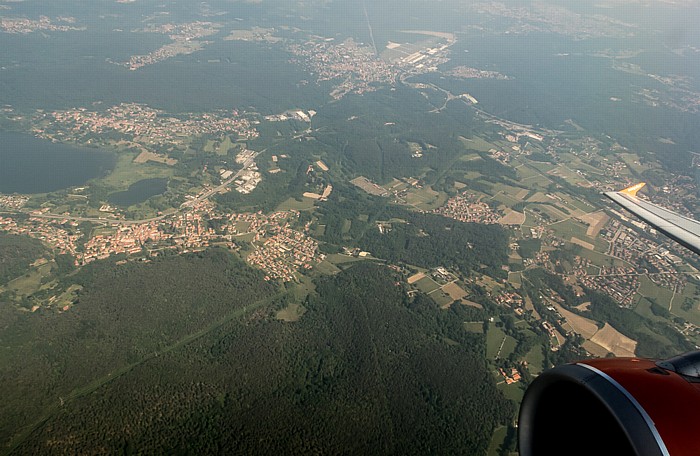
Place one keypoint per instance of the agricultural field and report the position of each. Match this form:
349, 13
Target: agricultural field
477, 143
427, 285
225, 146
470, 157
543, 168
499, 435
691, 310
504, 198
293, 204
601, 259
126, 172
599, 341
531, 220
494, 339
221, 147
596, 221
512, 217
574, 162
517, 193
454, 291
580, 204
326, 267
582, 243
339, 258
580, 325
555, 213
535, 359
442, 299
415, 278
425, 199
498, 344
649, 289
632, 162
30, 282
570, 228
568, 174
515, 279
514, 391
595, 349
489, 283
528, 174
614, 341
209, 146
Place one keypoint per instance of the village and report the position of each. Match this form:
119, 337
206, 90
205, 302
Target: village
631, 257
184, 37
12, 202
468, 208
140, 125
278, 248
44, 23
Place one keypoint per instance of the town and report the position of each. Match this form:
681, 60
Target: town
140, 125
357, 68
468, 207
279, 249
44, 23
465, 72
184, 37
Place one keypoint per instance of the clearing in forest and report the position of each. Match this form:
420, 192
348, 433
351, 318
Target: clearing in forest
291, 313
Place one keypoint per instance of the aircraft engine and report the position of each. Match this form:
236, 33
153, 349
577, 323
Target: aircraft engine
615, 406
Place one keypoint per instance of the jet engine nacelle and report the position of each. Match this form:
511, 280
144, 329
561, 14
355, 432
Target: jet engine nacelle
614, 406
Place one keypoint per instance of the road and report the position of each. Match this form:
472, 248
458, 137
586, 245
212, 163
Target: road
183, 207
247, 164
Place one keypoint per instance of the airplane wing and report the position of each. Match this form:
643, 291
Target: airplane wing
681, 229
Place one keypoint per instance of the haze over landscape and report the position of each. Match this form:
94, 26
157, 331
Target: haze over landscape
331, 226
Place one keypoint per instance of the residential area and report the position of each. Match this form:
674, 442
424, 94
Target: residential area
277, 247
139, 125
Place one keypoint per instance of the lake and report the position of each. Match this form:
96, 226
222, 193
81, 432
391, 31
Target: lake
139, 192
32, 165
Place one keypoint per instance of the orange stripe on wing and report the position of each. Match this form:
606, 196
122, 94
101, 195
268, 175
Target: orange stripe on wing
632, 191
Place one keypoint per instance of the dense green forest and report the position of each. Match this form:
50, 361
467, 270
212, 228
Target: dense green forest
365, 371
421, 239
196, 353
124, 315
17, 253
431, 240
375, 144
349, 204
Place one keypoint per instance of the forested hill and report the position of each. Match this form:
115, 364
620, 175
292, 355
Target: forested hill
416, 238
430, 240
16, 254
125, 315
365, 371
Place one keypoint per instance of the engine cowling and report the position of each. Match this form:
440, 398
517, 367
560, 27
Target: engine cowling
616, 406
